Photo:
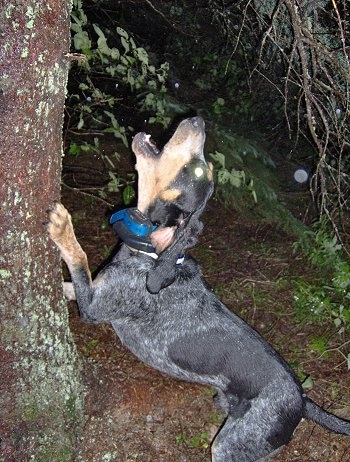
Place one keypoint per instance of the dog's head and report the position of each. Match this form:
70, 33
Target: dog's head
173, 188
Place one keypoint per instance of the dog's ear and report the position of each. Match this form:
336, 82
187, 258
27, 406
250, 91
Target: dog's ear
164, 271
163, 275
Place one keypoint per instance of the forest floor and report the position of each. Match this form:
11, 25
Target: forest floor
134, 413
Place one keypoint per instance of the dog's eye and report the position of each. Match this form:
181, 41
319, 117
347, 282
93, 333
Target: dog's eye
196, 168
198, 171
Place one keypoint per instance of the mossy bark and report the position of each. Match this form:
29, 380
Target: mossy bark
41, 398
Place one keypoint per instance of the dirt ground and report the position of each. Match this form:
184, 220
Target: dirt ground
134, 413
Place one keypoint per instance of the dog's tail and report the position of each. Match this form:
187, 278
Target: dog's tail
329, 421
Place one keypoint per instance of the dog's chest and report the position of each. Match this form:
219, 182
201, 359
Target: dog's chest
148, 324
145, 339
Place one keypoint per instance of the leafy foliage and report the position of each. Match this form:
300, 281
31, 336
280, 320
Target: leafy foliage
202, 440
107, 73
110, 67
280, 66
115, 183
249, 158
246, 178
328, 296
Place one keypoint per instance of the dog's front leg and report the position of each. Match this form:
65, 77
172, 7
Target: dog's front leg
61, 231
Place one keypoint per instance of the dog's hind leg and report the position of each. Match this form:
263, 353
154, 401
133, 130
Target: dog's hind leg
257, 435
235, 444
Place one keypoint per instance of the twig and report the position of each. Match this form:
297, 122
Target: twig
88, 194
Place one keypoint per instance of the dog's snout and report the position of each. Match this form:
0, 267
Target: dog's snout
197, 122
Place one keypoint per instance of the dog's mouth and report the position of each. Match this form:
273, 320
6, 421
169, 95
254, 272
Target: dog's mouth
189, 131
173, 184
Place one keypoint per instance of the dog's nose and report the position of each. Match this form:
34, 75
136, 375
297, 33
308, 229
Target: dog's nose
197, 122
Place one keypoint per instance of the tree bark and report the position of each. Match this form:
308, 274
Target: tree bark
41, 399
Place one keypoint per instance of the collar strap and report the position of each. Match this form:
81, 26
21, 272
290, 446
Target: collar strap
134, 229
150, 254
179, 261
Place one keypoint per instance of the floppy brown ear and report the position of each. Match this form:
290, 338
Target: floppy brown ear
164, 271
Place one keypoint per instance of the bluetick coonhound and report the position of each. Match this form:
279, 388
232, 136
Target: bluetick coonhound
161, 309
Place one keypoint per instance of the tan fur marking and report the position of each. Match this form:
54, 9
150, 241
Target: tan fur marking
155, 176
147, 180
210, 172
170, 195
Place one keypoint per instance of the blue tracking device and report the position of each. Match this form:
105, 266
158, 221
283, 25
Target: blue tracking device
134, 228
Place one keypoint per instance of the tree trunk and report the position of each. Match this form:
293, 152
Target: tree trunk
41, 399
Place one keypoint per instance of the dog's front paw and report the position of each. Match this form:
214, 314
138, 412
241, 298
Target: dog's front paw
59, 226
61, 231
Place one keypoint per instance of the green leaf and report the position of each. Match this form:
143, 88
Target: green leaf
255, 197
308, 382
74, 149
80, 123
81, 40
237, 178
98, 31
86, 147
142, 55
122, 32
103, 47
219, 158
115, 54
128, 194
125, 44
113, 185
224, 176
